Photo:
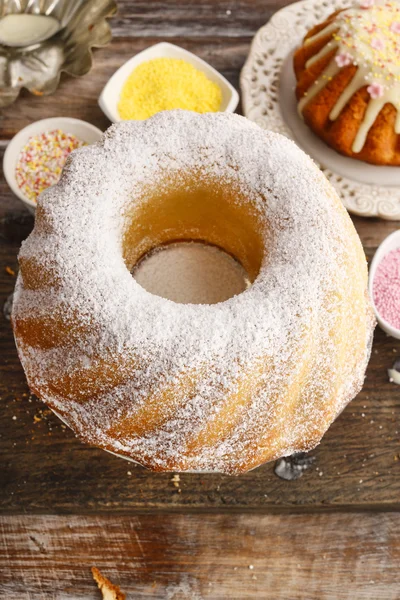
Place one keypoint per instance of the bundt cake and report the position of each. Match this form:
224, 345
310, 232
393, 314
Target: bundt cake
348, 81
193, 387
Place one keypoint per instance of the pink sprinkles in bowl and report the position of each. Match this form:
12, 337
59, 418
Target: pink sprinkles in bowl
42, 160
386, 288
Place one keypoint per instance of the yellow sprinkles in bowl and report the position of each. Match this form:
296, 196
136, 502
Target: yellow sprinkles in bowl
166, 84
42, 160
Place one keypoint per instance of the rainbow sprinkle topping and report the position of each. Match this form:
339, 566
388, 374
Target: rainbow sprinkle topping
42, 160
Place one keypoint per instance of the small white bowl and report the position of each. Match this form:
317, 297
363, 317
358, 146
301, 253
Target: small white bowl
109, 97
84, 131
390, 243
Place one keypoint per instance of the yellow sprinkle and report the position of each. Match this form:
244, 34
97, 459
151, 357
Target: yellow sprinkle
165, 84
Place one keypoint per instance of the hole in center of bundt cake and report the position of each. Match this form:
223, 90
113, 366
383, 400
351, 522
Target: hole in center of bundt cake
208, 230
191, 273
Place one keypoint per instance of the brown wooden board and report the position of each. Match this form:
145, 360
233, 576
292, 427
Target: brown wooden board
207, 557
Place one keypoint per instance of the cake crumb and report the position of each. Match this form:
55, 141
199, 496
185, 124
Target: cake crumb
175, 480
109, 591
10, 271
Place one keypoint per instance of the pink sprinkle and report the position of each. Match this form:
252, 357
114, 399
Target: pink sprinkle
367, 3
395, 27
375, 90
377, 43
343, 59
386, 289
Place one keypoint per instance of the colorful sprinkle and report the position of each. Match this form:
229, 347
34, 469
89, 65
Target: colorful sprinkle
343, 59
377, 44
42, 160
367, 3
395, 27
375, 90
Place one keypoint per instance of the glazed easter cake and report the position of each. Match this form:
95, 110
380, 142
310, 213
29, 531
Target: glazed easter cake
194, 387
348, 81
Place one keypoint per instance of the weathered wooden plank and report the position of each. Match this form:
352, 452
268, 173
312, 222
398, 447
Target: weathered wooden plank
200, 18
240, 557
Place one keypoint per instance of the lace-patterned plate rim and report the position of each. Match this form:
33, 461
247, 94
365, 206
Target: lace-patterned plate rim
260, 87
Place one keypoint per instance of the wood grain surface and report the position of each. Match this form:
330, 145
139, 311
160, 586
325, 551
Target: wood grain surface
213, 557
82, 506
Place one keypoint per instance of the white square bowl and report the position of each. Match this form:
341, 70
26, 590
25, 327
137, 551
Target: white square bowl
109, 97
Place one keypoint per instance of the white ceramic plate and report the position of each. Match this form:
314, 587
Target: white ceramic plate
84, 131
267, 83
109, 97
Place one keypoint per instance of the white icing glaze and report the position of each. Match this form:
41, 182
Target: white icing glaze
370, 39
331, 70
323, 52
287, 319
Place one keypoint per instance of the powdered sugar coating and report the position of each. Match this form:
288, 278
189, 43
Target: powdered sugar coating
297, 341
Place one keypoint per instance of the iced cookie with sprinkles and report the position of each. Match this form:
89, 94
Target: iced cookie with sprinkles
348, 81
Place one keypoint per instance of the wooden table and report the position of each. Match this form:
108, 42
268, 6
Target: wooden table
64, 506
